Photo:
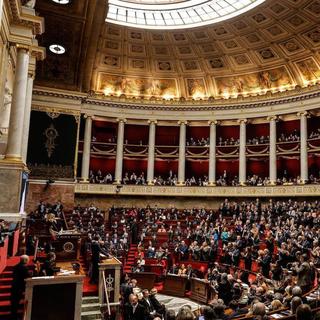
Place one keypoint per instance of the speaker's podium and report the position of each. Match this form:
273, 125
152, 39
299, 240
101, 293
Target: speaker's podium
52, 298
109, 283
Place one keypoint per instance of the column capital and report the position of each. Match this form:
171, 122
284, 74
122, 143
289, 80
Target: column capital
304, 114
211, 122
23, 47
31, 74
121, 120
180, 122
152, 121
273, 118
240, 121
88, 116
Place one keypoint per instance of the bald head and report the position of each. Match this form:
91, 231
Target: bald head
24, 259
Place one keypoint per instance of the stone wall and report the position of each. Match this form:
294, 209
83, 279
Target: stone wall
37, 191
106, 201
10, 188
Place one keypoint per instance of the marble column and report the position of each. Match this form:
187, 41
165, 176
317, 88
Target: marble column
119, 155
1, 10
182, 152
273, 150
18, 106
86, 149
26, 122
151, 151
304, 175
212, 153
242, 153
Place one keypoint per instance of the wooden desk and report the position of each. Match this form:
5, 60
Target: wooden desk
175, 285
200, 290
68, 266
66, 245
53, 298
145, 280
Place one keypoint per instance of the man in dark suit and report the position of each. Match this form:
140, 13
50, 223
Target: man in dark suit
95, 259
20, 273
146, 302
304, 279
134, 310
158, 307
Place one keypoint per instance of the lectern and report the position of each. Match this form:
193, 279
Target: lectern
53, 298
109, 281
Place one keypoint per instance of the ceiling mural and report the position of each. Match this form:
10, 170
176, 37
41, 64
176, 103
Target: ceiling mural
274, 47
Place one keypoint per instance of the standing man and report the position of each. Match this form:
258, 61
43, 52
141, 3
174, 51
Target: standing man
134, 310
20, 273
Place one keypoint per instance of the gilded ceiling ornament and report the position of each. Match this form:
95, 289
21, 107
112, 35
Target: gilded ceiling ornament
51, 134
53, 115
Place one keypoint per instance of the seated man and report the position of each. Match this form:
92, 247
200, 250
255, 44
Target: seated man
134, 310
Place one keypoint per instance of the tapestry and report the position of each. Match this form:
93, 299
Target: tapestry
52, 143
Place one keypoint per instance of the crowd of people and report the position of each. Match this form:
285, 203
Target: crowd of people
281, 237
292, 137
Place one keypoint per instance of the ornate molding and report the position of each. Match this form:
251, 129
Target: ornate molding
182, 191
51, 110
302, 94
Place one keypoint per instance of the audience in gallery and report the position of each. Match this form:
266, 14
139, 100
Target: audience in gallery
222, 181
315, 134
283, 137
289, 137
198, 142
258, 140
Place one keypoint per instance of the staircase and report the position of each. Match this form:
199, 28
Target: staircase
131, 258
6, 278
90, 308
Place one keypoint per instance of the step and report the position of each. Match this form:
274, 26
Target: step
6, 274
5, 296
88, 315
6, 315
90, 299
5, 288
5, 281
90, 307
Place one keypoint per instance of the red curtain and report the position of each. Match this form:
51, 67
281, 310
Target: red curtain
135, 165
227, 132
259, 167
288, 127
314, 164
162, 167
106, 165
313, 124
257, 130
289, 164
103, 131
136, 133
198, 168
167, 136
198, 133
231, 166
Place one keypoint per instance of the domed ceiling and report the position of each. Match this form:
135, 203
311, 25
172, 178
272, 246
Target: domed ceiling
175, 14
273, 47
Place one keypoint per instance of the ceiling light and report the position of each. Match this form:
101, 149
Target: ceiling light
61, 1
57, 49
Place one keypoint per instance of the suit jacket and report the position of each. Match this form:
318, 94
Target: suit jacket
20, 273
304, 275
139, 314
148, 306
